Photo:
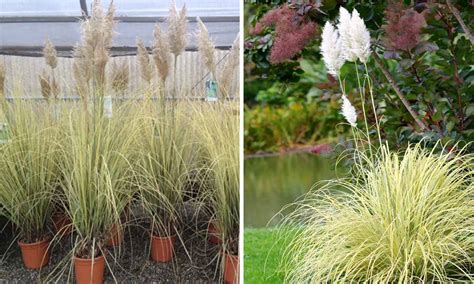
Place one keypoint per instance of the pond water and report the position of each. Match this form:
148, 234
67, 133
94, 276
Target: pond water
270, 183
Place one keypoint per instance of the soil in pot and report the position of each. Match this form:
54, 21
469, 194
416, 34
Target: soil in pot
62, 224
115, 236
231, 268
89, 271
162, 248
35, 255
213, 233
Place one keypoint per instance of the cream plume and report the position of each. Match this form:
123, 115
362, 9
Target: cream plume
206, 48
177, 23
230, 66
331, 49
50, 55
161, 53
360, 36
354, 36
144, 62
348, 111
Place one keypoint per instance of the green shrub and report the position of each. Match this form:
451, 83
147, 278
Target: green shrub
270, 128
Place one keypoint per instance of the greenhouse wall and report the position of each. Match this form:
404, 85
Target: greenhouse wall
191, 74
25, 25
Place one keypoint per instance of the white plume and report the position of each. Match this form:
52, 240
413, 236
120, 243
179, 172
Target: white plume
344, 28
360, 37
348, 111
331, 49
354, 36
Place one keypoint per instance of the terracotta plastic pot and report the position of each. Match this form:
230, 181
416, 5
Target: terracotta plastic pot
213, 233
116, 236
231, 268
162, 248
35, 255
62, 224
89, 271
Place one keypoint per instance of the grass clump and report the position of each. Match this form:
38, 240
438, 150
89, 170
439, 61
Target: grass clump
29, 171
97, 177
218, 130
165, 161
406, 218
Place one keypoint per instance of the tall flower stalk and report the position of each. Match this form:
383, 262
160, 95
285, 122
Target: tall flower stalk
350, 41
177, 24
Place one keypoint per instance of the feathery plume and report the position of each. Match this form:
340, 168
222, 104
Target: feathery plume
331, 49
161, 53
120, 77
348, 111
50, 55
231, 64
109, 25
45, 85
360, 37
344, 28
177, 23
354, 36
92, 54
144, 62
206, 47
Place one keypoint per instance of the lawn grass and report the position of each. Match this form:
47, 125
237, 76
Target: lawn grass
262, 256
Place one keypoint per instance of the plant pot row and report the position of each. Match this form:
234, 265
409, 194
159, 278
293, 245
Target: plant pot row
36, 255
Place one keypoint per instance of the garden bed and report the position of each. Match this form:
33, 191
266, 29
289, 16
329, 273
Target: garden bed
130, 263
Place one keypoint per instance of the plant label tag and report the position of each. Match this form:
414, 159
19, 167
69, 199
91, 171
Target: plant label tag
211, 91
108, 106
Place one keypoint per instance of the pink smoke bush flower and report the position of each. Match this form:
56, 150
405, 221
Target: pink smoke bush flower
404, 27
292, 32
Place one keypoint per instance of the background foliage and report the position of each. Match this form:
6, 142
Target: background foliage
420, 43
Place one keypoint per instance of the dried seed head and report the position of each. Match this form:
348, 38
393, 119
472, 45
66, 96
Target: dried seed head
54, 88
50, 55
206, 47
231, 65
120, 77
109, 25
92, 54
177, 23
45, 85
82, 70
161, 53
144, 62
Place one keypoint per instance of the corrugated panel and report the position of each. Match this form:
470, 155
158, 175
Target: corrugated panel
22, 75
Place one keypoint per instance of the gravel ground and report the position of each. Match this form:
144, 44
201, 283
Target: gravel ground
130, 263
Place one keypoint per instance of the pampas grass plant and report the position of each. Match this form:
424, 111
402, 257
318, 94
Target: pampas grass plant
29, 171
218, 130
166, 159
408, 217
97, 176
404, 217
